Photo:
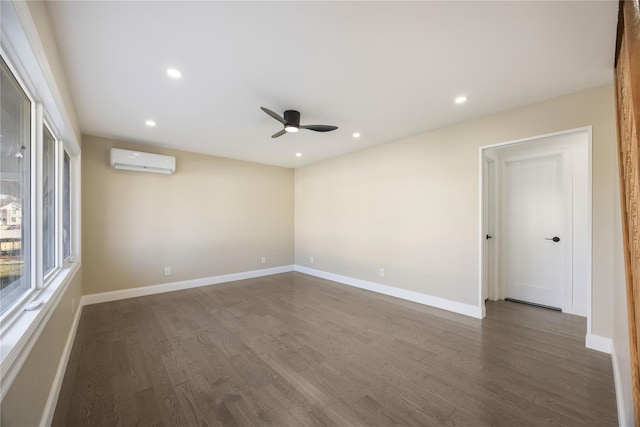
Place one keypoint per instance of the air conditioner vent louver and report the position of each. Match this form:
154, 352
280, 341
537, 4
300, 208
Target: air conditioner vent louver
142, 162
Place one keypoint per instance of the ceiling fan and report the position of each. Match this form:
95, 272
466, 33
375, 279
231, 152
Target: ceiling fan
291, 122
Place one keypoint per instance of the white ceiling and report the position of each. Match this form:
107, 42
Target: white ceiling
385, 69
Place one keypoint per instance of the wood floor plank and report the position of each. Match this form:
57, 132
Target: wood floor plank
147, 407
295, 350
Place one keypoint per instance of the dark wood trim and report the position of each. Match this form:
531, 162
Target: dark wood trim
619, 33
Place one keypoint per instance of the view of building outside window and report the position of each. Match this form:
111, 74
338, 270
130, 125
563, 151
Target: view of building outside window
66, 206
15, 172
49, 200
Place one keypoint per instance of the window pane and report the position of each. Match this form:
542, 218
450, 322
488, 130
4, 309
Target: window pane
66, 208
15, 184
48, 200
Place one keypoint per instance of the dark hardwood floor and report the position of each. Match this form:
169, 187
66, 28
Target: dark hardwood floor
294, 350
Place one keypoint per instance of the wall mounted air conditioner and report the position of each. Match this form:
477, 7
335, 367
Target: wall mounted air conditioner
142, 162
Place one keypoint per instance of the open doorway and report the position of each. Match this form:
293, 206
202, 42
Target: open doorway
536, 221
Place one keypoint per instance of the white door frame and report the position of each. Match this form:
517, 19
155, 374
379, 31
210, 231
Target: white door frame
482, 209
489, 228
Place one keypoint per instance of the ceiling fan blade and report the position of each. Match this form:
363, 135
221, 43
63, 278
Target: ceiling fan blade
319, 128
277, 134
274, 115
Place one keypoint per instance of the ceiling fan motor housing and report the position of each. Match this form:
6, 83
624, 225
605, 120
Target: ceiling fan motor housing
292, 117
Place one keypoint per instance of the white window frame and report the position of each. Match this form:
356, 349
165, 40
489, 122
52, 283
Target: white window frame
66, 260
57, 242
22, 50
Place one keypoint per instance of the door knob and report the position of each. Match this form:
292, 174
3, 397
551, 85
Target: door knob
555, 239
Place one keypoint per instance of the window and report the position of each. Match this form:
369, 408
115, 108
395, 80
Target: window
48, 201
37, 179
15, 189
66, 206
22, 170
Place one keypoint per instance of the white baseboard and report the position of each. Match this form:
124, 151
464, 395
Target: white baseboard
625, 418
54, 393
442, 303
596, 342
177, 286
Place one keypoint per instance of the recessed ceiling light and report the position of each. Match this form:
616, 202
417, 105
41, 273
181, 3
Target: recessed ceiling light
173, 73
461, 99
298, 154
150, 123
356, 135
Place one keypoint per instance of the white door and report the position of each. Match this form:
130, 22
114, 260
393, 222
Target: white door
533, 240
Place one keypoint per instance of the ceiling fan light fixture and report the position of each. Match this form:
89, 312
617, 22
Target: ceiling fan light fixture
291, 128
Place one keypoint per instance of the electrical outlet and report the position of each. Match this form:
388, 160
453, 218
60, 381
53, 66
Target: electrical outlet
382, 272
311, 259
264, 259
167, 271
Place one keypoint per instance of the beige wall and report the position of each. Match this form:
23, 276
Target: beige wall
213, 216
25, 401
411, 206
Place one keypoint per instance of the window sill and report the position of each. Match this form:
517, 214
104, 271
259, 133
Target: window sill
20, 330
